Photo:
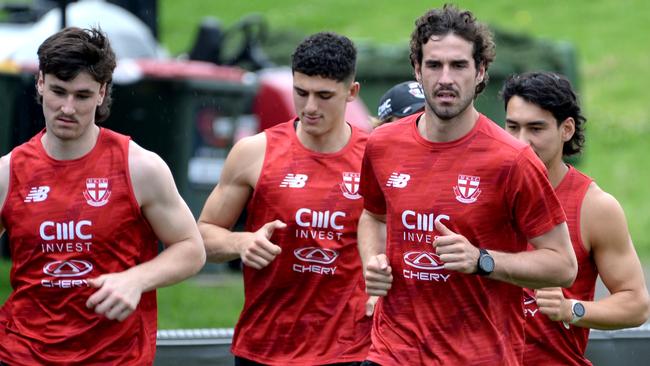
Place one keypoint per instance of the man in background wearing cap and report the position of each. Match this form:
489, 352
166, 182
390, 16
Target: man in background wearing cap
400, 101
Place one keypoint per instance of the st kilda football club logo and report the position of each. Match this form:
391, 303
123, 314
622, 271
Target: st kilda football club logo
97, 191
467, 190
350, 185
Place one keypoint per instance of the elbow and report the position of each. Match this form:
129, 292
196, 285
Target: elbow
198, 258
569, 273
644, 309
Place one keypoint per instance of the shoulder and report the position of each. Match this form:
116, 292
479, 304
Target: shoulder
4, 176
144, 162
600, 205
247, 151
390, 135
150, 175
245, 161
4, 163
602, 215
496, 133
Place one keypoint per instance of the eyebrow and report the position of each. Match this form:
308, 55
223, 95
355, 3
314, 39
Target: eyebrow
530, 123
80, 91
325, 91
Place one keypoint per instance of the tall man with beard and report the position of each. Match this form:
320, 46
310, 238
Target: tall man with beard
460, 199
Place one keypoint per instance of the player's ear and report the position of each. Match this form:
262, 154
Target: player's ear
567, 128
353, 91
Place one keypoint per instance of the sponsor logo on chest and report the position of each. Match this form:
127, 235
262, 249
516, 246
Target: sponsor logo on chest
315, 260
74, 236
422, 265
530, 305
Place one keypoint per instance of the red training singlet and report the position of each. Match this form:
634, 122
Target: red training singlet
69, 221
549, 342
307, 307
486, 186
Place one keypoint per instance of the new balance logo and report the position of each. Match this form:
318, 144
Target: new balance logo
294, 180
398, 180
37, 194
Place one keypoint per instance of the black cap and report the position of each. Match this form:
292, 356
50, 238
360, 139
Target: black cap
401, 100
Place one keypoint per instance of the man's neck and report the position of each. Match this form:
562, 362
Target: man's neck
60, 149
556, 172
434, 129
330, 142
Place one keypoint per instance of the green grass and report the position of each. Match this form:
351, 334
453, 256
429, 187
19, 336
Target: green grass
613, 51
206, 301
5, 288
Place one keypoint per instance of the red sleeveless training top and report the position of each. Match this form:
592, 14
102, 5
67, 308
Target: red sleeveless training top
549, 342
69, 221
307, 306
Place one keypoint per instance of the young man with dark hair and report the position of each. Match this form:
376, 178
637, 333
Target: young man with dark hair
304, 293
83, 207
542, 110
460, 199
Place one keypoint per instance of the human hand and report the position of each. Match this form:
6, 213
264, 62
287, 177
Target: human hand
552, 303
117, 296
378, 275
370, 305
259, 251
455, 251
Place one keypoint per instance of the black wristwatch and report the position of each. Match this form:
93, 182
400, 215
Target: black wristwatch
485, 264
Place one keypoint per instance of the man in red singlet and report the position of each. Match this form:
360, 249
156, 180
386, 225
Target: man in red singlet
83, 208
304, 291
542, 110
450, 202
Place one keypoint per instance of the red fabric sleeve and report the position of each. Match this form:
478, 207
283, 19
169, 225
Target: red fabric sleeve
533, 203
369, 188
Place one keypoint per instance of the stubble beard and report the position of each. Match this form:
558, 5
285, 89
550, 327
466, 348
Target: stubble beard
449, 112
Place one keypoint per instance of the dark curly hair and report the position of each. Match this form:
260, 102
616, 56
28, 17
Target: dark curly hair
551, 92
325, 54
450, 19
73, 50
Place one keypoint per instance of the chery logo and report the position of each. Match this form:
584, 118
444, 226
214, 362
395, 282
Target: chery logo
316, 255
423, 260
71, 268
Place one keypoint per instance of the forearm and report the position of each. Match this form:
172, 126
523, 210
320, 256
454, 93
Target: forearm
623, 309
534, 269
222, 245
371, 236
175, 264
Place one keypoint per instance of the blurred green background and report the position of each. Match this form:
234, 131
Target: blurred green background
614, 65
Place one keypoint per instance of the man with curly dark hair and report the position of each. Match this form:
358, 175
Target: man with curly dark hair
84, 208
542, 110
450, 202
304, 296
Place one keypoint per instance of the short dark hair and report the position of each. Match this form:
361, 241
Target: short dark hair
450, 19
325, 54
73, 50
551, 92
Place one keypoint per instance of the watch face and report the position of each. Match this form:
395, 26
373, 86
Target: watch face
579, 309
487, 263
